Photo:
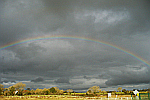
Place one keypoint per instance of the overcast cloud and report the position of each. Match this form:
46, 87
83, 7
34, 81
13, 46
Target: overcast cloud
70, 63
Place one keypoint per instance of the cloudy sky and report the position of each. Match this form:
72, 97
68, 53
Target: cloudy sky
75, 63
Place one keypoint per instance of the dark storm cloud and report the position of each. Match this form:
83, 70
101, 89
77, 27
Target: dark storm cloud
5, 81
82, 64
86, 77
63, 80
103, 76
13, 81
19, 18
39, 79
134, 75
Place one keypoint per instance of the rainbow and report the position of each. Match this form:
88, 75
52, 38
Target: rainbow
76, 38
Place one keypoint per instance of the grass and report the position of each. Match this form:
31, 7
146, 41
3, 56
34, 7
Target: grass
61, 97
120, 93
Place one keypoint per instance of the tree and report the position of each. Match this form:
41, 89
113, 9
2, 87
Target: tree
124, 90
100, 91
94, 89
60, 91
12, 90
19, 87
89, 91
127, 92
38, 91
45, 91
1, 89
6, 92
52, 90
56, 89
32, 92
104, 91
119, 89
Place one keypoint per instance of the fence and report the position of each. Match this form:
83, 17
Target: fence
144, 96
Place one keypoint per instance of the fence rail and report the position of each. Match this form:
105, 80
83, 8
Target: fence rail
144, 96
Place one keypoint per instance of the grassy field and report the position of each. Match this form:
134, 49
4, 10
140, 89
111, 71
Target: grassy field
64, 97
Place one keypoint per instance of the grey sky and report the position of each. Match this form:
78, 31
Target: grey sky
76, 64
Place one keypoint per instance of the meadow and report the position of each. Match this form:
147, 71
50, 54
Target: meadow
65, 97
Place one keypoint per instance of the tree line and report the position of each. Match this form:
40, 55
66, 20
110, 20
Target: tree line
18, 89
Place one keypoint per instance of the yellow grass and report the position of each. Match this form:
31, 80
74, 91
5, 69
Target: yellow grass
64, 97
